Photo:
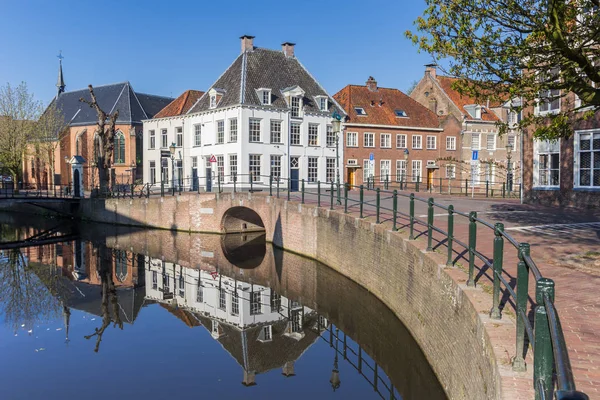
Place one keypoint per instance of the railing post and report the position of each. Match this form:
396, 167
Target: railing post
162, 189
278, 179
450, 241
503, 190
487, 187
332, 192
132, 190
251, 183
271, 185
466, 187
394, 210
440, 185
417, 185
318, 193
543, 358
234, 184
430, 224
411, 209
497, 268
289, 188
302, 190
362, 196
472, 246
521, 306
386, 182
346, 188
377, 204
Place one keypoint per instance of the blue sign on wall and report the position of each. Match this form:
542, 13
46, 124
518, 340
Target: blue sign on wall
475, 155
371, 157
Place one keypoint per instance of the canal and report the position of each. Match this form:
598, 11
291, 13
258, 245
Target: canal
96, 312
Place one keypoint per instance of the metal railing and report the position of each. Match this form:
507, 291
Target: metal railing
553, 375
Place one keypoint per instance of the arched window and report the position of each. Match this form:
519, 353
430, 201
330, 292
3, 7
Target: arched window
119, 148
78, 146
121, 265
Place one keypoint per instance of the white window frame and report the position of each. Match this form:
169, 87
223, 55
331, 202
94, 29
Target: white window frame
368, 172
264, 96
450, 142
252, 130
417, 142
152, 144
275, 166
450, 171
213, 101
385, 140
543, 147
330, 168
233, 130
352, 139
313, 135
232, 165
220, 131
473, 145
401, 140
595, 152
330, 136
164, 139
401, 173
487, 142
296, 106
275, 131
254, 166
197, 135
431, 142
312, 172
550, 93
418, 171
295, 136
385, 170
152, 166
371, 142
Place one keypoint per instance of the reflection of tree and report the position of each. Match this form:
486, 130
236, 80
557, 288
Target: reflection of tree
26, 292
109, 296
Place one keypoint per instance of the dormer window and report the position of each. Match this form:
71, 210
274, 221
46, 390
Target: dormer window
360, 111
295, 105
322, 103
264, 95
400, 113
215, 96
213, 101
475, 110
294, 96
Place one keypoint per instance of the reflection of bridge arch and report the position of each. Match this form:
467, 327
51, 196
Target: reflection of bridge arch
241, 219
244, 250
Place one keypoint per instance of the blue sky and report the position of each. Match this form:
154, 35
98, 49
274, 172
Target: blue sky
166, 47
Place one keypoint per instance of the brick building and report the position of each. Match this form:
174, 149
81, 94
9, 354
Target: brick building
405, 138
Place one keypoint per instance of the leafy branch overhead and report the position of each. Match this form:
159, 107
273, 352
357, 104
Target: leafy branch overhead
532, 50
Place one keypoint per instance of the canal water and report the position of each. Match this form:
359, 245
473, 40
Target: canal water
100, 312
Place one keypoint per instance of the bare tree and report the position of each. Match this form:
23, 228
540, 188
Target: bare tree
105, 131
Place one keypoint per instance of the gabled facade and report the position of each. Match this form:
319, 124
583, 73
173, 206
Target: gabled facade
406, 139
265, 115
479, 130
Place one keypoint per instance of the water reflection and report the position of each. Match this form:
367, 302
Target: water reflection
266, 308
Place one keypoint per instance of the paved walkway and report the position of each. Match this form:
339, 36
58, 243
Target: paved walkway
565, 244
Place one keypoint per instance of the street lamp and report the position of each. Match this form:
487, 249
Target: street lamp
335, 372
172, 150
509, 174
336, 124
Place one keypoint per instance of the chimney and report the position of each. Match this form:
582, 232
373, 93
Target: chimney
431, 70
288, 369
372, 84
288, 49
249, 378
247, 43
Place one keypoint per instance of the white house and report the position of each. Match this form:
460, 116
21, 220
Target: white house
265, 115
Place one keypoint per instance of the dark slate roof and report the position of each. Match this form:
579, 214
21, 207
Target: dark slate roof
263, 68
133, 107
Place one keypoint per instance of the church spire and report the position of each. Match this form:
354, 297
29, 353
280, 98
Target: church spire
61, 81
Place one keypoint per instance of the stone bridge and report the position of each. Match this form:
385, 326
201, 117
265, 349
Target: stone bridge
447, 320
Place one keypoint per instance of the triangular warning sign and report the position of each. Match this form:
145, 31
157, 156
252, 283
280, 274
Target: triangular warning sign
213, 158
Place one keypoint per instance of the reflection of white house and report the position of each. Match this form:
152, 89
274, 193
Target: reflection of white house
265, 115
266, 329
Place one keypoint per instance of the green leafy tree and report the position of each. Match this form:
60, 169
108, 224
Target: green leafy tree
532, 50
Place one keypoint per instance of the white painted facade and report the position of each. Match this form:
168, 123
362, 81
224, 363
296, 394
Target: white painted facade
190, 155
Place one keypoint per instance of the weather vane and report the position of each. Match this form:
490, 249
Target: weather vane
60, 56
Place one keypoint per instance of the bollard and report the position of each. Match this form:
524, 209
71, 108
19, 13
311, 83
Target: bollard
362, 194
430, 224
411, 236
487, 187
302, 190
318, 193
395, 210
377, 204
466, 187
346, 197
331, 196
543, 358
497, 268
503, 190
522, 296
449, 262
472, 246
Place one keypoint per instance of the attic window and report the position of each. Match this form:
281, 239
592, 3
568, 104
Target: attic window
360, 111
322, 103
400, 113
265, 96
213, 101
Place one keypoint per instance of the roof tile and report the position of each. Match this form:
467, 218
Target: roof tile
180, 105
460, 100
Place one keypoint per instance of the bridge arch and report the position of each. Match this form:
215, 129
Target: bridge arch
241, 219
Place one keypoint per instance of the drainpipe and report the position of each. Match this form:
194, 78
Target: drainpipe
289, 156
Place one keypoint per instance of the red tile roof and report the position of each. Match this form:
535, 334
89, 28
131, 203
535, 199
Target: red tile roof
180, 105
461, 101
381, 105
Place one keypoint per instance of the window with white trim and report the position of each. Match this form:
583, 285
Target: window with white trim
265, 97
546, 161
232, 166
197, 132
164, 140
490, 142
451, 143
313, 134
510, 141
295, 102
587, 159
330, 170
153, 172
220, 132
255, 304
152, 139
275, 301
313, 169
385, 141
254, 166
154, 278
275, 166
275, 131
235, 303
360, 111
450, 171
352, 139
549, 99
199, 293
323, 106
369, 139
213, 101
475, 141
330, 139
417, 142
400, 170
385, 169
221, 168
266, 334
233, 130
416, 170
490, 172
368, 170
295, 134
431, 142
400, 141
254, 130
222, 299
